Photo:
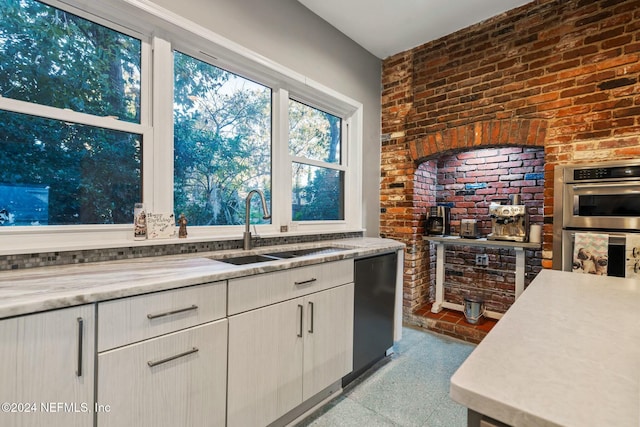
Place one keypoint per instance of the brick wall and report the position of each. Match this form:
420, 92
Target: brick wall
558, 74
472, 179
469, 182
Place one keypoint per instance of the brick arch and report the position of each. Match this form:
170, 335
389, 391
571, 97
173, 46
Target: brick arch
485, 134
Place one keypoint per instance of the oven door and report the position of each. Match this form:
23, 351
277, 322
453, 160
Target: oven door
616, 254
604, 206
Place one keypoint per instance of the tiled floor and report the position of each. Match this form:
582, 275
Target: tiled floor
409, 388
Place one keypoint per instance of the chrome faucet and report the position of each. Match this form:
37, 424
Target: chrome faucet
265, 211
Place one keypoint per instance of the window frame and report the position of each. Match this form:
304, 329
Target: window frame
341, 166
161, 32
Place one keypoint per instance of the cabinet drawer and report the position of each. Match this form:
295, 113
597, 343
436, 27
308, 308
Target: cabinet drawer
247, 293
128, 320
179, 379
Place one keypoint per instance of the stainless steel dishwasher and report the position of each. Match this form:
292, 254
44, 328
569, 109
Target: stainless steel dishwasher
375, 289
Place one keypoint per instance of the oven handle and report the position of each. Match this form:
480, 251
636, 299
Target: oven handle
596, 188
615, 238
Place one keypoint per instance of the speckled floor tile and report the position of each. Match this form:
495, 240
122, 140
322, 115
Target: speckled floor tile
348, 413
447, 414
411, 388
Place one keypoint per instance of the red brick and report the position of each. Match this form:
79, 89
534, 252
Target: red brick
479, 87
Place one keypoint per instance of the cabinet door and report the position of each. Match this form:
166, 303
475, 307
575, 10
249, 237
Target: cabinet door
47, 368
177, 379
328, 340
265, 363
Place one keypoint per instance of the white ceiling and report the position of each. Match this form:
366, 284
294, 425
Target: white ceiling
387, 27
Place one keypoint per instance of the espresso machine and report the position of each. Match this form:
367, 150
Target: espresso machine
438, 221
509, 222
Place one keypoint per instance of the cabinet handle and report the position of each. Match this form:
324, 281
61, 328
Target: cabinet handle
80, 339
170, 358
169, 313
305, 282
312, 315
301, 320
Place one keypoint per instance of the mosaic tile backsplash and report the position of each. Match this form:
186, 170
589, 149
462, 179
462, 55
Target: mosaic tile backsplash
22, 261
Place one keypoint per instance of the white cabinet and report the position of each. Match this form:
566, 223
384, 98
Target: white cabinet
251, 292
284, 353
162, 358
128, 320
265, 364
328, 338
46, 369
177, 379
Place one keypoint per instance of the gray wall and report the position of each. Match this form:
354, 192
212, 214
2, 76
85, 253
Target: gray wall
291, 35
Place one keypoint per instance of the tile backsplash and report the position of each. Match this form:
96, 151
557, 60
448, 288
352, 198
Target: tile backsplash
44, 259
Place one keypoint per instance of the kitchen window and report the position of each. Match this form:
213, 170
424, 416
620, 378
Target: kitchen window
99, 112
70, 132
315, 143
222, 142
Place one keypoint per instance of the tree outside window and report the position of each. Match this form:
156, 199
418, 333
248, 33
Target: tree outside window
222, 143
315, 145
58, 172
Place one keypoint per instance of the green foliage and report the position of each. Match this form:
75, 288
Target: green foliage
56, 59
313, 134
317, 192
222, 145
321, 197
222, 128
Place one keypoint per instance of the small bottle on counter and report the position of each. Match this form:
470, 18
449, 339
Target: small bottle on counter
139, 222
182, 230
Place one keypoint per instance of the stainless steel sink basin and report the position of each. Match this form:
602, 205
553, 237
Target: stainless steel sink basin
274, 256
302, 252
247, 259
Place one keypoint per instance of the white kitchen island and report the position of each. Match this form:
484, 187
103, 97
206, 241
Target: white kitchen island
567, 353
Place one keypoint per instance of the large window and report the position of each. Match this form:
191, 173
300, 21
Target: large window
315, 146
59, 173
55, 171
107, 104
222, 142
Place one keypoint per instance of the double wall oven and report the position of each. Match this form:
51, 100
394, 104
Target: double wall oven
601, 198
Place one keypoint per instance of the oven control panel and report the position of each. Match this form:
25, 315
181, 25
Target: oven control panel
606, 172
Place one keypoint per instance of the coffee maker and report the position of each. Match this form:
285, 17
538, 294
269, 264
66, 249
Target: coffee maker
509, 222
438, 221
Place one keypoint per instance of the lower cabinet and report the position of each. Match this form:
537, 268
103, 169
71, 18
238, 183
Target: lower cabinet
188, 357
178, 379
328, 338
282, 354
46, 374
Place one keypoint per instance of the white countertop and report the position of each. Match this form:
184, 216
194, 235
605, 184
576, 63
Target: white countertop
38, 289
567, 353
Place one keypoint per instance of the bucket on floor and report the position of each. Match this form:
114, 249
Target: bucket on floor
473, 309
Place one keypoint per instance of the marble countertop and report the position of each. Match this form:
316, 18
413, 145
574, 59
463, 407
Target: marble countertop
567, 353
39, 289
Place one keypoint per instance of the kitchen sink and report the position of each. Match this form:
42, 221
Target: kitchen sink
302, 252
274, 256
247, 259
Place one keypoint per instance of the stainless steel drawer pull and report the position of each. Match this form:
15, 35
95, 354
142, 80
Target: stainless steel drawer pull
301, 319
169, 359
169, 313
80, 338
312, 315
305, 282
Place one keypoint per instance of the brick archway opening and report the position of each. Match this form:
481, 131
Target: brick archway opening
497, 157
